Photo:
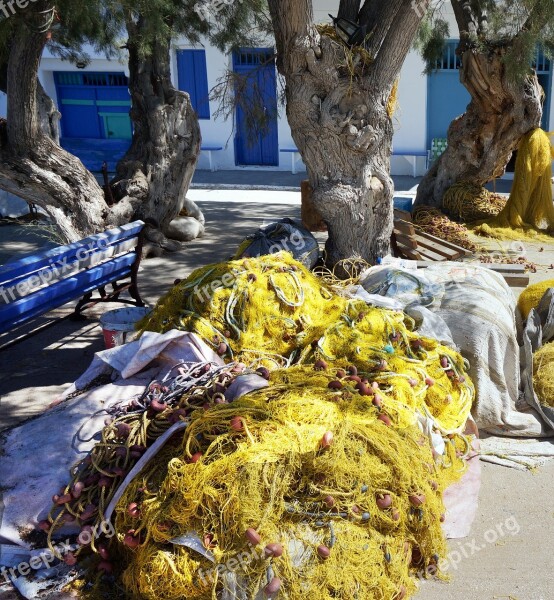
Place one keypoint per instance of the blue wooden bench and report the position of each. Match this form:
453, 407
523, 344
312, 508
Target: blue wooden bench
209, 150
35, 285
411, 155
295, 155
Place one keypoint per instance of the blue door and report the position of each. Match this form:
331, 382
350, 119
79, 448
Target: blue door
447, 98
257, 100
94, 105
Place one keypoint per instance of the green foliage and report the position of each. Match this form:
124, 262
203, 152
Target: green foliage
431, 40
101, 24
518, 26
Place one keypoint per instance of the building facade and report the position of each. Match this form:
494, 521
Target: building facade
94, 103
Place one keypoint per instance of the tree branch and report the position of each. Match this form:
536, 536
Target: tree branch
349, 9
397, 43
378, 18
292, 19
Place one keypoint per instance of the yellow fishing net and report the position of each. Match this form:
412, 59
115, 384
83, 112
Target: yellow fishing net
322, 485
529, 212
273, 311
343, 504
543, 374
532, 295
469, 202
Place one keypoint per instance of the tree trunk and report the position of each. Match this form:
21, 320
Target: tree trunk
340, 121
33, 166
158, 168
482, 140
153, 177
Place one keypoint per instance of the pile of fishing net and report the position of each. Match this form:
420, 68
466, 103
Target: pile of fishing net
468, 202
325, 481
529, 212
434, 222
301, 486
532, 295
543, 374
274, 312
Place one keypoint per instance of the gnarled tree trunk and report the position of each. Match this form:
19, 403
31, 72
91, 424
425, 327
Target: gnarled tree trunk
33, 166
340, 119
159, 165
152, 178
501, 112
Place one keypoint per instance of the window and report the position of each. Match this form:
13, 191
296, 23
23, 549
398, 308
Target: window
193, 79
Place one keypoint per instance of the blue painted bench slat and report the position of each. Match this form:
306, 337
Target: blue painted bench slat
67, 254
61, 293
37, 284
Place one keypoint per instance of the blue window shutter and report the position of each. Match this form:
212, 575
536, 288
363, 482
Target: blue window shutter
193, 78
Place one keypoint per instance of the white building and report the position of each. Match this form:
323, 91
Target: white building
94, 103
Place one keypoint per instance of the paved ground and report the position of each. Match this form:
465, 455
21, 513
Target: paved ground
492, 564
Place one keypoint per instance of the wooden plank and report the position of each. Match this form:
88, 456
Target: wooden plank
516, 280
437, 247
64, 291
445, 243
502, 268
68, 253
402, 215
408, 252
35, 281
427, 254
405, 240
404, 227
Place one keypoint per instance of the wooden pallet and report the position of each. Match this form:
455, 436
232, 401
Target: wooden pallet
427, 249
418, 245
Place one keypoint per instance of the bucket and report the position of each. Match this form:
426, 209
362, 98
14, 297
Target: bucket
118, 326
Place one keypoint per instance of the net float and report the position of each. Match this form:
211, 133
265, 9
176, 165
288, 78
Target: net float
263, 372
105, 481
123, 430
70, 559
272, 587
335, 385
131, 540
378, 401
354, 378
77, 489
353, 370
323, 552
320, 365
195, 457
364, 389
157, 406
385, 418
44, 525
133, 510
253, 536
103, 551
341, 373
237, 424
274, 550
63, 499
417, 499
395, 515
429, 382
222, 349
105, 566
329, 501
384, 501
85, 535
327, 439
444, 362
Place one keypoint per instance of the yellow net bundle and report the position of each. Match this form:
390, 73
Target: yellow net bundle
274, 311
263, 308
532, 295
543, 374
529, 211
469, 202
321, 491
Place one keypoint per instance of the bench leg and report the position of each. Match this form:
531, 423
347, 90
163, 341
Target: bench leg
77, 314
210, 158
